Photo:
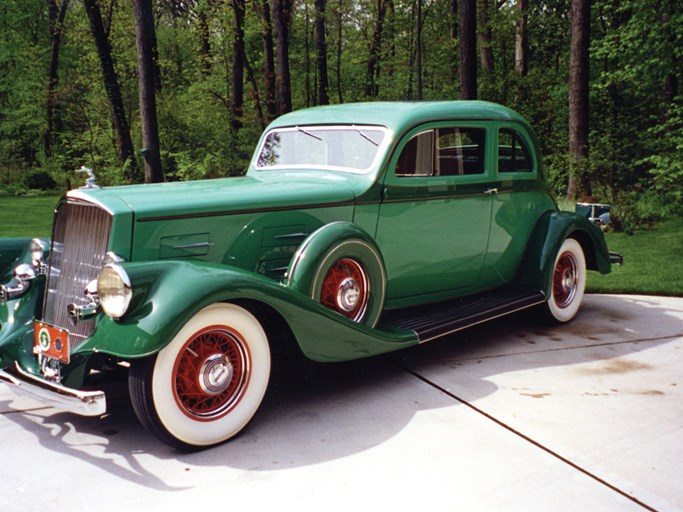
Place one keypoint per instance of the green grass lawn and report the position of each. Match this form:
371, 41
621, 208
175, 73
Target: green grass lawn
653, 260
27, 216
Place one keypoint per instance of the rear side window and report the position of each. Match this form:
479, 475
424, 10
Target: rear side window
453, 151
513, 153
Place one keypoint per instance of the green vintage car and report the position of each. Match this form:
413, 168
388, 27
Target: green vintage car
358, 229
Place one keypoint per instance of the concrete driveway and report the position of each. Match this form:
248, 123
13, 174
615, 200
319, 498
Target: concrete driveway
507, 416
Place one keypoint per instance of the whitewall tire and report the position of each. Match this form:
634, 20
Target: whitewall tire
568, 282
208, 382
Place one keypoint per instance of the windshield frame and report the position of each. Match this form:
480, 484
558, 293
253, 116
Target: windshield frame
308, 128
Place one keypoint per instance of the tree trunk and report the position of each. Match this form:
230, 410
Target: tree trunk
145, 38
282, 12
237, 99
578, 97
204, 42
307, 58
321, 52
485, 37
263, 8
468, 49
339, 50
521, 39
371, 87
256, 97
453, 5
418, 49
56, 15
670, 85
124, 141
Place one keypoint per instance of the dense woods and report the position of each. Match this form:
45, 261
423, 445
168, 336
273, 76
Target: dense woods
145, 90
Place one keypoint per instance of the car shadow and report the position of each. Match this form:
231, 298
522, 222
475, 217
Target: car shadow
316, 412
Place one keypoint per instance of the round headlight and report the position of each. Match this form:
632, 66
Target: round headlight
114, 291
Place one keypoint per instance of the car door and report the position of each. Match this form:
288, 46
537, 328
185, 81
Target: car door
435, 214
520, 200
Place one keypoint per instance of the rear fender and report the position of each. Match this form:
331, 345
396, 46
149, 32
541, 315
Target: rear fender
545, 241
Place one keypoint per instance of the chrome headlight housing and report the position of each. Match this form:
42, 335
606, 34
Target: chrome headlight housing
37, 249
114, 290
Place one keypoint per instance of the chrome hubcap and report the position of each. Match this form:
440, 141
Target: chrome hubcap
566, 280
215, 374
348, 294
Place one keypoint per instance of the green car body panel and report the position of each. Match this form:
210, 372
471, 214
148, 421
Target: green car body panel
462, 221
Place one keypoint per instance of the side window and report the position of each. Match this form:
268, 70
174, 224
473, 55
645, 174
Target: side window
444, 152
460, 151
513, 154
417, 158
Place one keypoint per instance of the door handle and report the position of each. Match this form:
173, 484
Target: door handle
491, 191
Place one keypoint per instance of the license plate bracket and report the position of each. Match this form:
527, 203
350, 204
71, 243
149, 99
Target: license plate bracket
51, 341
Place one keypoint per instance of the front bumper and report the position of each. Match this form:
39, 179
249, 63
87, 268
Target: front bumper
83, 403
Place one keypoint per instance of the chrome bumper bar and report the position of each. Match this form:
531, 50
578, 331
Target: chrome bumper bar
84, 403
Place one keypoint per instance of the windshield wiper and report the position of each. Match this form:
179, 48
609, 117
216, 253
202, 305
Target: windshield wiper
308, 133
365, 136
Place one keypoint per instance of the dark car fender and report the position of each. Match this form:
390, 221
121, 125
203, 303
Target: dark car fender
550, 231
166, 294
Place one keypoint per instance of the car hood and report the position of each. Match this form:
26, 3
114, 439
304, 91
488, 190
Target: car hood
224, 196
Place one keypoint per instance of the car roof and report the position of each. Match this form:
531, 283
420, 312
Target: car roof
398, 116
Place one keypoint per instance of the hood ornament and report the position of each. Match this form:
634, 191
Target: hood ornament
90, 180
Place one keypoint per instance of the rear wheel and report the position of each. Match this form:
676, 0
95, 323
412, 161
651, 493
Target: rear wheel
207, 383
568, 282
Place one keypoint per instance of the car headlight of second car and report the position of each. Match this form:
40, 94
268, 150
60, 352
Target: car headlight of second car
114, 290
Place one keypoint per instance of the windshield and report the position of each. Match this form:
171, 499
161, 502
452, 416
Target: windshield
345, 148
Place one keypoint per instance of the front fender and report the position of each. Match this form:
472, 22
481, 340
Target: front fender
166, 294
12, 252
545, 241
17, 315
323, 248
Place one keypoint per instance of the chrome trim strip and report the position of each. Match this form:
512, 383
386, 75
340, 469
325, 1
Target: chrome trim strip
194, 246
292, 235
83, 196
481, 321
83, 403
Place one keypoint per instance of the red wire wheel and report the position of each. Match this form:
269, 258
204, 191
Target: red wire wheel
567, 282
207, 383
211, 373
346, 289
565, 279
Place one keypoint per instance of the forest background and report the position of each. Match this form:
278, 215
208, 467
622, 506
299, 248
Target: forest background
82, 82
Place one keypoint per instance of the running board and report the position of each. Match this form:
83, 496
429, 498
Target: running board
444, 318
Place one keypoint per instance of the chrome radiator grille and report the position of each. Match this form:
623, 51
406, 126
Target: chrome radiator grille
80, 238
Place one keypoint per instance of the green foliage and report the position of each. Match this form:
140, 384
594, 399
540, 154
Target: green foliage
666, 165
40, 180
636, 131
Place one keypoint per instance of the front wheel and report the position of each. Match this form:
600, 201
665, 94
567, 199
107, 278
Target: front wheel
568, 282
207, 383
